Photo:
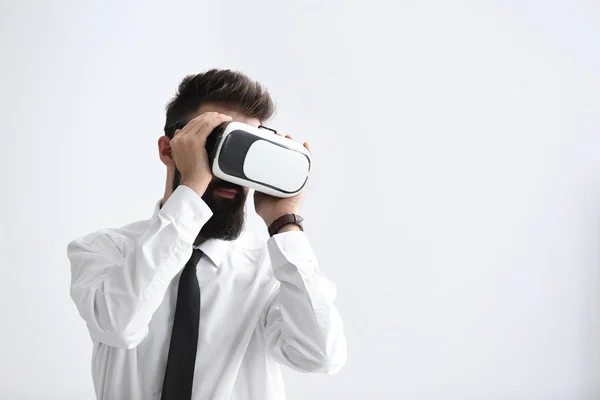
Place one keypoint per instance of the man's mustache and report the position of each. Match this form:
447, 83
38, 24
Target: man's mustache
226, 186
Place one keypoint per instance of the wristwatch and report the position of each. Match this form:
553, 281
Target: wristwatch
284, 220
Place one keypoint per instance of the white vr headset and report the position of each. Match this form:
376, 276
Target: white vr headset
258, 158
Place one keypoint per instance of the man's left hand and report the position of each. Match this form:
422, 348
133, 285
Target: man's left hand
269, 208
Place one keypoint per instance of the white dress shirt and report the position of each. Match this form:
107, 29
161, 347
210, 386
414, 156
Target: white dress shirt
262, 306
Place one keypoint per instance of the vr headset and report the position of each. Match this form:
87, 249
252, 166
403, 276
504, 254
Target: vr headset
258, 158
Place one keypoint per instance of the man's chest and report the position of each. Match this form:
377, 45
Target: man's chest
230, 297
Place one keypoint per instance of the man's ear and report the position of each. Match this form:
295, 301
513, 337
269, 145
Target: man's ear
164, 151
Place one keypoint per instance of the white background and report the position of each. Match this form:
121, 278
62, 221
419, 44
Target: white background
455, 201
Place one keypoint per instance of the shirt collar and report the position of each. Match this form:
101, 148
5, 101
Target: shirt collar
215, 249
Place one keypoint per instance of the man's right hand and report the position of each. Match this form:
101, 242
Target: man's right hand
188, 148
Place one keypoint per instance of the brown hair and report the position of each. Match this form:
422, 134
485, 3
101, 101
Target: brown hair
226, 88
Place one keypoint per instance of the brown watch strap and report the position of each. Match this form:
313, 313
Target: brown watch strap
284, 220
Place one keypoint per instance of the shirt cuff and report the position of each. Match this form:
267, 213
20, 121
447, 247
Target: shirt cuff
292, 247
187, 207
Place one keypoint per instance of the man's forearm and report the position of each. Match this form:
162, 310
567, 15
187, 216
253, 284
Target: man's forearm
303, 328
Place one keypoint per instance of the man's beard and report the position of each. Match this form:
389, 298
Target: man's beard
227, 221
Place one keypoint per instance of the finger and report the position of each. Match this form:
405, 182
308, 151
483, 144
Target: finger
217, 118
307, 147
191, 126
196, 123
201, 126
211, 123
205, 121
203, 116
289, 137
220, 118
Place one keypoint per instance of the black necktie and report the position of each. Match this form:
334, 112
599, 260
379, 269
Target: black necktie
179, 375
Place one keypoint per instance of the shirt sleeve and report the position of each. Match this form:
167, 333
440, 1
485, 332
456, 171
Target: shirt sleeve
303, 328
117, 284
